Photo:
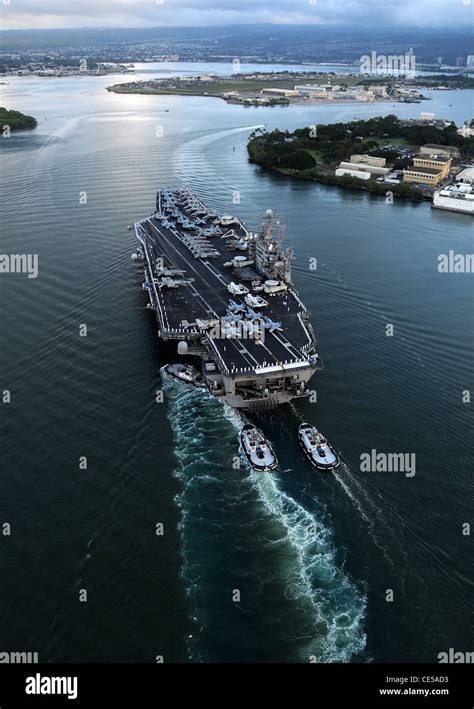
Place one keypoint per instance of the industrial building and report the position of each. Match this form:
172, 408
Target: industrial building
340, 172
444, 151
369, 160
293, 93
427, 170
363, 167
466, 176
318, 90
335, 91
422, 175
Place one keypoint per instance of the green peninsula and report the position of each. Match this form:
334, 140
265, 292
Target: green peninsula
16, 120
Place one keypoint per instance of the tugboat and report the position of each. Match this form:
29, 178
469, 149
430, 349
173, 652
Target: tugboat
257, 449
186, 374
317, 449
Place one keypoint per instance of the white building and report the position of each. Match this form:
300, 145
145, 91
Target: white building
363, 167
466, 176
340, 172
289, 93
317, 90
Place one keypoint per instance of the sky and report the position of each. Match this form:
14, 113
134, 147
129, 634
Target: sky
399, 14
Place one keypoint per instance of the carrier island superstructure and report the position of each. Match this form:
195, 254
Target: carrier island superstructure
225, 295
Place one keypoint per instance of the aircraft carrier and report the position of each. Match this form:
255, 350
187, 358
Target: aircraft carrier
225, 295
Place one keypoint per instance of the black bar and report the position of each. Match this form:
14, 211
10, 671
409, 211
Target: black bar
143, 686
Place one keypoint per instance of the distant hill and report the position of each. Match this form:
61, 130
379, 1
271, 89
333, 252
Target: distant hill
16, 120
261, 42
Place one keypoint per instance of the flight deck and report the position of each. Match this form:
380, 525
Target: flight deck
226, 295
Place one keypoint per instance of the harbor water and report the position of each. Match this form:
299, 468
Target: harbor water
160, 526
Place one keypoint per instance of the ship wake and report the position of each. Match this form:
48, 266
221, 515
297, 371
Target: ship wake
261, 571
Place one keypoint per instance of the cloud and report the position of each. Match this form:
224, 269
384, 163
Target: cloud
37, 14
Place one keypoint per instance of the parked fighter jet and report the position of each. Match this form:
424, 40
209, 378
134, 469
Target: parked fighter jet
172, 283
272, 325
252, 315
236, 307
170, 272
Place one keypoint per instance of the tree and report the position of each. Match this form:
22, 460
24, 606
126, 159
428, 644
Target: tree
297, 160
16, 120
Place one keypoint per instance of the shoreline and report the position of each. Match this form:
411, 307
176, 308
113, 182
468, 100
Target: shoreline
312, 103
341, 182
391, 143
297, 103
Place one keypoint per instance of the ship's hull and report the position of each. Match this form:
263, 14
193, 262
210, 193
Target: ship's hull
254, 360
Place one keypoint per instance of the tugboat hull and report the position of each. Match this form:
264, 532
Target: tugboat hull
323, 457
257, 450
185, 374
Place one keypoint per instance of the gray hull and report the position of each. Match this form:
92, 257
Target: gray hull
253, 360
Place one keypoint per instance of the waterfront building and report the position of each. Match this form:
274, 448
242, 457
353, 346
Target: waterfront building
369, 160
466, 176
318, 90
427, 169
281, 92
363, 167
422, 175
360, 174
